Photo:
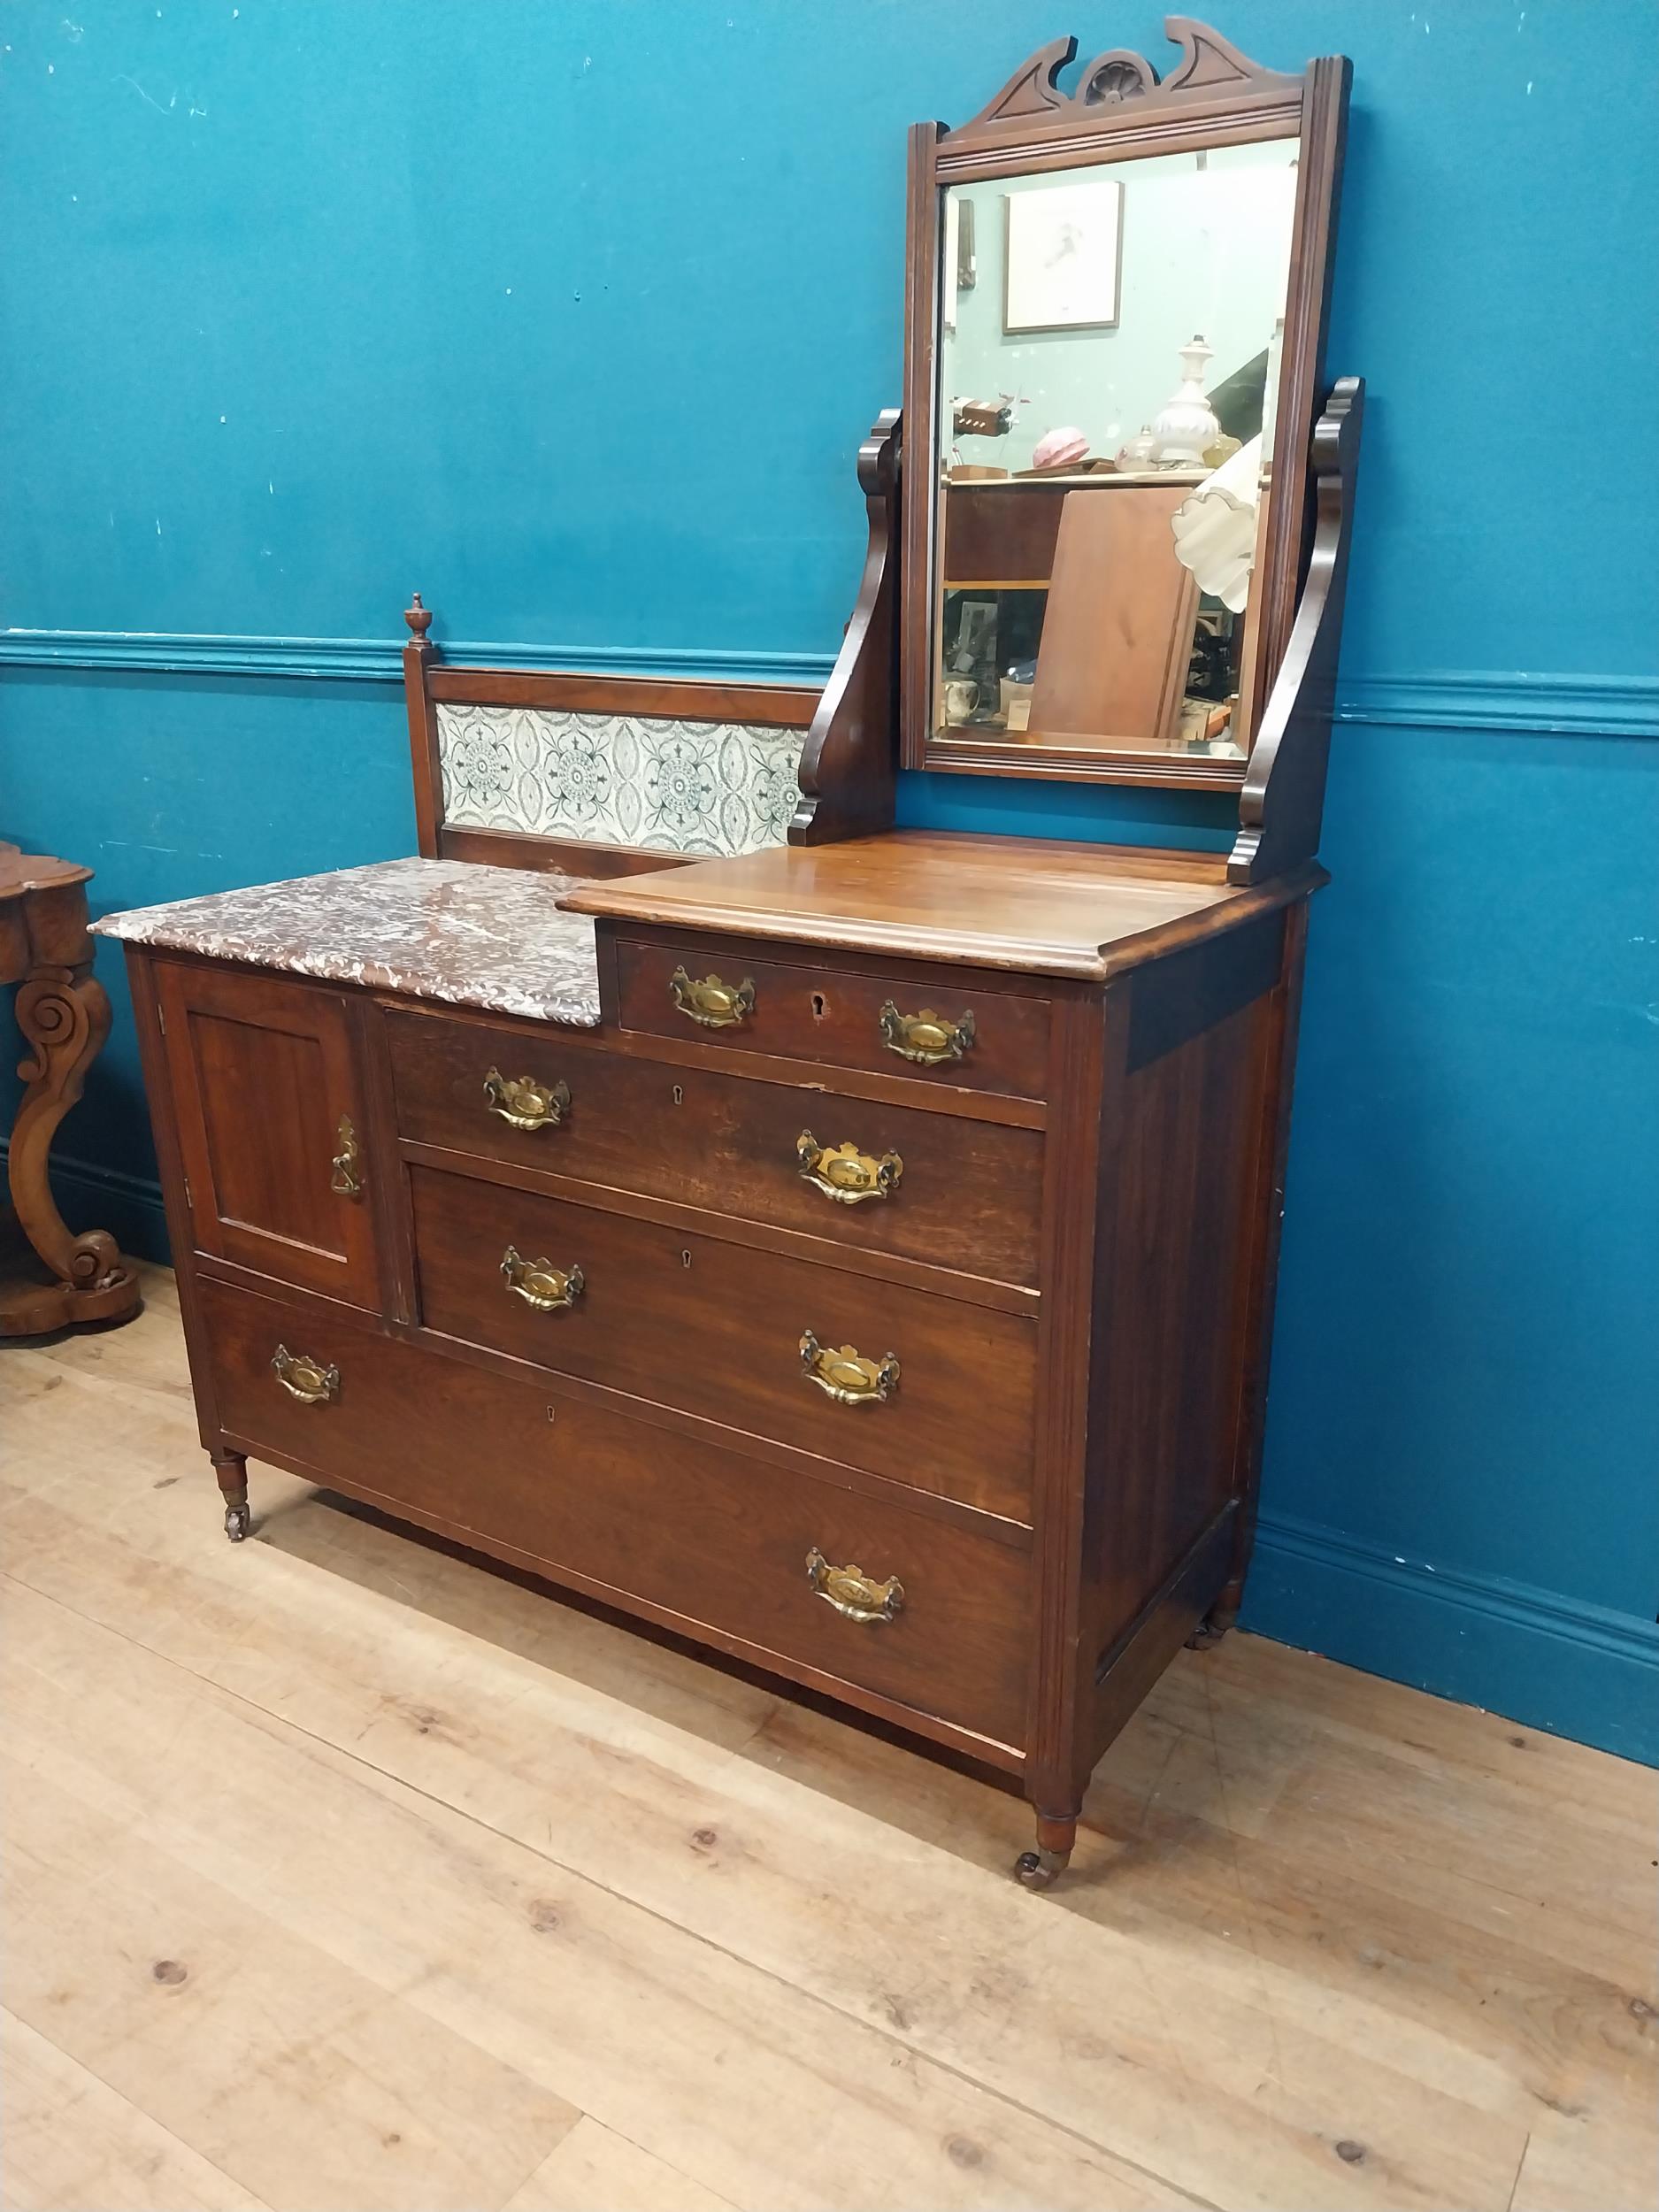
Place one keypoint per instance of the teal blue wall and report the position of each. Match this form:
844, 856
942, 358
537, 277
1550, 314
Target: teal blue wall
573, 314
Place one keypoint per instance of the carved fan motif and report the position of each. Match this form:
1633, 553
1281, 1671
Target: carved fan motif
1120, 75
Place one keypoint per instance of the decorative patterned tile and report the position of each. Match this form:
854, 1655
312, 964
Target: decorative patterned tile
707, 788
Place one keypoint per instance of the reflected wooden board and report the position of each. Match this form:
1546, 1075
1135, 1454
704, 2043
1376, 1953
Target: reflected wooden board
1119, 631
341, 1871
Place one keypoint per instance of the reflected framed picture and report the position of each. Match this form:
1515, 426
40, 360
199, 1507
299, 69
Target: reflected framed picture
1064, 248
960, 267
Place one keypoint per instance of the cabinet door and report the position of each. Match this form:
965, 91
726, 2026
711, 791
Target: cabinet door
266, 1087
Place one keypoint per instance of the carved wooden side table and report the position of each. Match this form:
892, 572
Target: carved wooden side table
59, 1277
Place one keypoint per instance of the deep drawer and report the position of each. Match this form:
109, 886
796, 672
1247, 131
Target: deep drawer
810, 1012
714, 1329
966, 1194
716, 1540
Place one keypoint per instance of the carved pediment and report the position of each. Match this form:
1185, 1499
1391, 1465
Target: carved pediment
1210, 65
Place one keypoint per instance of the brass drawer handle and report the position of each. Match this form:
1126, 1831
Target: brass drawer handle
926, 1038
847, 1378
842, 1172
525, 1104
303, 1378
853, 1592
346, 1182
712, 1003
539, 1284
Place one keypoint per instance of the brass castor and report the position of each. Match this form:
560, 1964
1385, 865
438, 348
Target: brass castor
1209, 1631
238, 1520
1041, 1869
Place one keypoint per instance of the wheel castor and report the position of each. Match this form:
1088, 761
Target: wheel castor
1041, 1869
1211, 1630
237, 1523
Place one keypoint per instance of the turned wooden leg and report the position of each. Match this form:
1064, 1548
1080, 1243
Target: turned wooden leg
232, 1470
1057, 1832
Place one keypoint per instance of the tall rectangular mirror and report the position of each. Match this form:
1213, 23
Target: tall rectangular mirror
1117, 309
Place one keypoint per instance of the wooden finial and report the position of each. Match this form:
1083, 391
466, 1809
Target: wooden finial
419, 618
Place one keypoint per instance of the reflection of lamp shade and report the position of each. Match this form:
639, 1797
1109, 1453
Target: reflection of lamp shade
1215, 530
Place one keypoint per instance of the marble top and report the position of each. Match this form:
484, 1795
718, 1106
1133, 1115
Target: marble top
435, 929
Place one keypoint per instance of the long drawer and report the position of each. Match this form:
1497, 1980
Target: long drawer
716, 1540
957, 1194
938, 1033
716, 1330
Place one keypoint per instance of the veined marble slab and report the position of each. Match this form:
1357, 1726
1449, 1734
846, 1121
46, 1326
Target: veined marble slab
449, 929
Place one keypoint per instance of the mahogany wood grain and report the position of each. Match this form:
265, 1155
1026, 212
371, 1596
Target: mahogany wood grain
1180, 1242
395, 1250
967, 1198
1029, 907
160, 1097
521, 848
1189, 992
261, 1070
780, 706
1086, 1051
734, 1228
425, 767
715, 1328
1282, 802
874, 1084
1259, 1277
1127, 1669
814, 1011
648, 1413
847, 770
706, 1539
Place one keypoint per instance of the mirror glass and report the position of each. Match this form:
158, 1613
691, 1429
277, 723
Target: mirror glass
1108, 348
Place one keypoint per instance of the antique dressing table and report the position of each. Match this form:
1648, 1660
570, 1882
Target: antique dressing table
852, 1248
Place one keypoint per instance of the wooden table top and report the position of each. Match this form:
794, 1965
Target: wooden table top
1036, 905
43, 913
21, 872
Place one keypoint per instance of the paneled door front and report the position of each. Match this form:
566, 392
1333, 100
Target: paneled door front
270, 1126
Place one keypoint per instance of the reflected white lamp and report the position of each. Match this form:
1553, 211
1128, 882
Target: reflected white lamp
1215, 529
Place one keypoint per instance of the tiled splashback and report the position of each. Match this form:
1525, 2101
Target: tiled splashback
711, 787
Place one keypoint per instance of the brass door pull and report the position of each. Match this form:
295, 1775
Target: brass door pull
712, 1003
525, 1104
854, 1593
926, 1038
846, 1377
539, 1284
346, 1181
303, 1378
842, 1172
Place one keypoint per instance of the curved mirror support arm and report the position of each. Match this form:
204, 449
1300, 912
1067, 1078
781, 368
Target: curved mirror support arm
1283, 798
847, 764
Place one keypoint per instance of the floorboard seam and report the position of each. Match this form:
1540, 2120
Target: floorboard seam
753, 1966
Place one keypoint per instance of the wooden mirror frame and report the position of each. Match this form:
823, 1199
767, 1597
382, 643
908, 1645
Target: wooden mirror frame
1118, 110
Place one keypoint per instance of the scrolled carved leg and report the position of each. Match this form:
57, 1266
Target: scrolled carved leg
232, 1470
64, 1017
1056, 1835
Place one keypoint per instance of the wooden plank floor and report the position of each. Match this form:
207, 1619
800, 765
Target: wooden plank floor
341, 1873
